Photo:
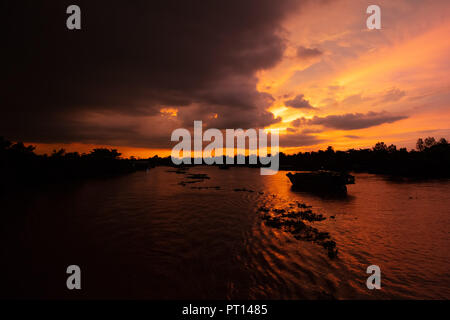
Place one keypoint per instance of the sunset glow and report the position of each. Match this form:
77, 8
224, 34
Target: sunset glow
389, 85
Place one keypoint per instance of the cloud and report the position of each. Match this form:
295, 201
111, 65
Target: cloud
297, 122
299, 102
131, 60
223, 117
312, 130
393, 95
308, 53
298, 140
351, 121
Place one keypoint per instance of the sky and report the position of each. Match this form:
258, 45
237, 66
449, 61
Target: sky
138, 70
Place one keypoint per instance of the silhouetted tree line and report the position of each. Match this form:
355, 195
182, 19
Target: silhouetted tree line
19, 164
430, 159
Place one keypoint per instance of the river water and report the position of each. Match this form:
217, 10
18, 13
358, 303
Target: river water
145, 235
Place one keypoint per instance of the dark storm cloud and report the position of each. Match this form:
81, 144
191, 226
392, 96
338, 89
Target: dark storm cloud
298, 140
351, 121
132, 58
307, 53
299, 102
223, 117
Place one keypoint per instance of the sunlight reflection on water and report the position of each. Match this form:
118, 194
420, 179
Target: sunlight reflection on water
158, 238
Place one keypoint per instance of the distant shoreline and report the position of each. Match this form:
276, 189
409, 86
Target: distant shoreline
20, 165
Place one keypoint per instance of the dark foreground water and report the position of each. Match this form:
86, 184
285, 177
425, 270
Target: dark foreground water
144, 235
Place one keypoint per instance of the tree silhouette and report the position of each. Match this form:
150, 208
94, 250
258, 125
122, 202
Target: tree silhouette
19, 147
104, 154
380, 147
4, 144
430, 142
58, 154
420, 145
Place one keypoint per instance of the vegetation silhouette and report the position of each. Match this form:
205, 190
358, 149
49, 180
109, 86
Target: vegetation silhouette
430, 160
20, 165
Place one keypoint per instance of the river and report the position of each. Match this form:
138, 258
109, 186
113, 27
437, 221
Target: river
145, 235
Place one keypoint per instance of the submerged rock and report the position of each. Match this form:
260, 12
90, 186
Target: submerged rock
294, 223
200, 188
197, 176
243, 190
264, 209
303, 205
330, 245
178, 171
272, 221
184, 183
305, 215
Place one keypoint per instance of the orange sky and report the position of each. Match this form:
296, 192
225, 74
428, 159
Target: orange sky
402, 69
